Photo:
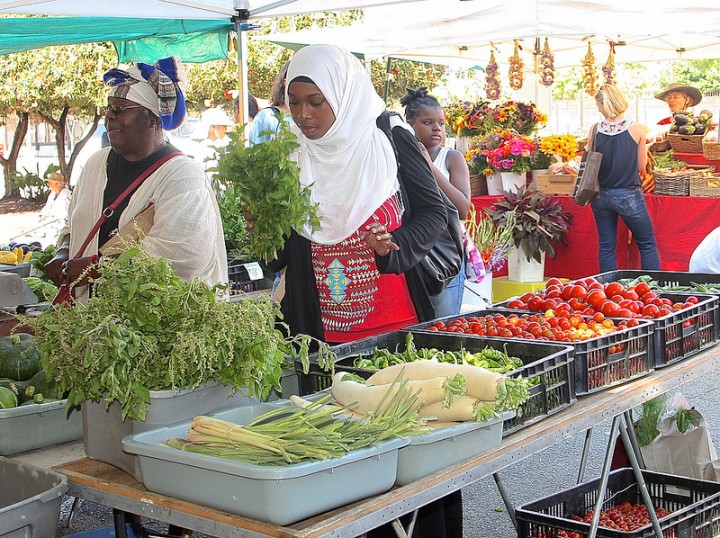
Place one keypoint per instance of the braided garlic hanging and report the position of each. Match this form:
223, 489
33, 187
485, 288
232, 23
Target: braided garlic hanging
492, 81
515, 73
547, 66
590, 78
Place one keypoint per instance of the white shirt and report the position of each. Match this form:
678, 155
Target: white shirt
706, 257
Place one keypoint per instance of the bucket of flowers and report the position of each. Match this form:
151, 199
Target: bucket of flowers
467, 118
524, 118
559, 148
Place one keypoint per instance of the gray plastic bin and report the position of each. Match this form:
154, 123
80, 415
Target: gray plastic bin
279, 495
104, 430
37, 426
30, 500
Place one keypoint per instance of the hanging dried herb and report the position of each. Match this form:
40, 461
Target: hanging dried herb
609, 67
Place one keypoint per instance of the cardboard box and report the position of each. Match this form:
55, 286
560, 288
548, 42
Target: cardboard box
556, 183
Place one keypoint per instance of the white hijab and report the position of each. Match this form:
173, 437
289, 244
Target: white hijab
351, 170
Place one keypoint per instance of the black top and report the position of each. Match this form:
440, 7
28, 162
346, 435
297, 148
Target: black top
121, 173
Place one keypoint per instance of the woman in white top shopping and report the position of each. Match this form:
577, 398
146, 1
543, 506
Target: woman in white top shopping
426, 116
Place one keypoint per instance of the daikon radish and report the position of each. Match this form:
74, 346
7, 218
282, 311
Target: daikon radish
462, 409
482, 384
363, 398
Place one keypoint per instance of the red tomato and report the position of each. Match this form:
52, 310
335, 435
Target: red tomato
549, 304
692, 300
525, 297
609, 308
651, 310
516, 303
642, 288
578, 291
633, 322
614, 288
596, 298
535, 303
553, 281
632, 295
625, 313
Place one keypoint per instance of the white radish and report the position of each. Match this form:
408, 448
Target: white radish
363, 398
462, 409
480, 383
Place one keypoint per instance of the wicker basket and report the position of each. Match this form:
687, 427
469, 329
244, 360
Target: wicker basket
686, 143
668, 183
711, 149
478, 185
707, 186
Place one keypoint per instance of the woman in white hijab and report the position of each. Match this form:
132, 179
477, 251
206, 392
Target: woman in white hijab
354, 276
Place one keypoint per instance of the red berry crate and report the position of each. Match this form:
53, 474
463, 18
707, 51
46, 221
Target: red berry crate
693, 507
600, 362
686, 332
550, 364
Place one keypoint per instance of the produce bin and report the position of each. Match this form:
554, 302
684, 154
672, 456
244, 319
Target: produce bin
694, 507
686, 332
279, 495
550, 363
670, 279
249, 276
599, 363
104, 429
34, 426
441, 448
29, 500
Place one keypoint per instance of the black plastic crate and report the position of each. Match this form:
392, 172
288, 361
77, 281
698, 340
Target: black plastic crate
681, 281
693, 506
245, 277
600, 362
686, 332
550, 362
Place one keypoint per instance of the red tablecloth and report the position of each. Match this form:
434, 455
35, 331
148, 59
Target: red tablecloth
680, 223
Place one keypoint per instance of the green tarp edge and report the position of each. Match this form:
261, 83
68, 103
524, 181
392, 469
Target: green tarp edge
136, 39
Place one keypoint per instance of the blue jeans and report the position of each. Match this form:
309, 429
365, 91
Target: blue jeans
629, 205
449, 300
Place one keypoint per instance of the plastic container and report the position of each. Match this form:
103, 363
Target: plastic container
279, 495
104, 429
438, 449
37, 426
686, 332
682, 281
551, 363
30, 500
694, 507
249, 276
600, 362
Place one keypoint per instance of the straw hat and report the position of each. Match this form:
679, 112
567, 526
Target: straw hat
693, 93
55, 176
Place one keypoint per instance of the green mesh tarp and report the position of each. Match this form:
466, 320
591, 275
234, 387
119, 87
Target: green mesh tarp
136, 39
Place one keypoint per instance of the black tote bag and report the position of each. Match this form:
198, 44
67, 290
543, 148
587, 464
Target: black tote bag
588, 185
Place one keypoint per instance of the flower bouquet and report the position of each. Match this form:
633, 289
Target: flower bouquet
523, 118
466, 118
512, 154
560, 148
493, 241
476, 155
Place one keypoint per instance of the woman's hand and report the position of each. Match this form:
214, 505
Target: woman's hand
377, 236
70, 270
53, 268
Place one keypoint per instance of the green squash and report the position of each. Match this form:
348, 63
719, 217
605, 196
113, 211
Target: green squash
19, 359
8, 399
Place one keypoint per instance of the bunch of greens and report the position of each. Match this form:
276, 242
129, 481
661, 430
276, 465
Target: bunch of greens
646, 427
145, 329
265, 182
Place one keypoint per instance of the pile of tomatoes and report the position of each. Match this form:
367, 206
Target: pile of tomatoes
623, 517
564, 326
588, 296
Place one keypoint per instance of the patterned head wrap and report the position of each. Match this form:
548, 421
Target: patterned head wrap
156, 87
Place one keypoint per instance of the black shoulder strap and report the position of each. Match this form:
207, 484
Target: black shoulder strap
383, 123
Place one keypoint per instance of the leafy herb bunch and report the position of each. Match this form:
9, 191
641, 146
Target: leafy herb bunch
266, 181
540, 222
145, 329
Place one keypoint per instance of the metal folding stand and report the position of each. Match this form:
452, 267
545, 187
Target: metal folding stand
622, 424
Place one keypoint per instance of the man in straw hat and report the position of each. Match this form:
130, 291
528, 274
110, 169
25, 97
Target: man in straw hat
678, 97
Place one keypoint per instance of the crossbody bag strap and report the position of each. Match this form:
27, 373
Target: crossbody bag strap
109, 210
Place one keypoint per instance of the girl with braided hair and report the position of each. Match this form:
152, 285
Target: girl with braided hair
426, 116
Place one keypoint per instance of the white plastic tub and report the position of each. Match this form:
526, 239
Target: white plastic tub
29, 427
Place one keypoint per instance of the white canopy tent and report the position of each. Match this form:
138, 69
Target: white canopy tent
466, 32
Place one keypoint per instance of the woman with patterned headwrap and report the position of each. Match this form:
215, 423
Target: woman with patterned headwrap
186, 227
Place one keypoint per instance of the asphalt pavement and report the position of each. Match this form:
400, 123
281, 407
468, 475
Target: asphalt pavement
548, 472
